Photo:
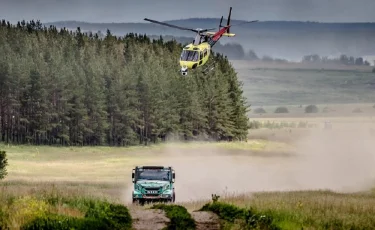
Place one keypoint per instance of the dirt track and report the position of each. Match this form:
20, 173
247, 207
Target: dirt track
148, 219
206, 221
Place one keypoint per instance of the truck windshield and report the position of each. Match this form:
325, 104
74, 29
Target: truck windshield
188, 55
153, 175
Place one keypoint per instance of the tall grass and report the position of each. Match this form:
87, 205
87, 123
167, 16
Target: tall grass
304, 209
49, 206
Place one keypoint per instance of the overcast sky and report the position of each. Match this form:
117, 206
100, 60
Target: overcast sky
136, 10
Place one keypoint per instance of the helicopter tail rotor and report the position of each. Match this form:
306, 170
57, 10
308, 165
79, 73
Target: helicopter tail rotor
228, 22
221, 20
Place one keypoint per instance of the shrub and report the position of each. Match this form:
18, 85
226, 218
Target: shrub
25, 209
259, 110
311, 109
281, 110
60, 222
99, 215
114, 215
179, 217
2, 219
3, 164
248, 218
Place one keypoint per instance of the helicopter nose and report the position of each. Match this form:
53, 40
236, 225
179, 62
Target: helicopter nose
184, 68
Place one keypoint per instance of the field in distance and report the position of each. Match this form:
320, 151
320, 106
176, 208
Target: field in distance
293, 84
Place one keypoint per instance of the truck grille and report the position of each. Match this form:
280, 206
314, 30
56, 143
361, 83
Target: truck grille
152, 191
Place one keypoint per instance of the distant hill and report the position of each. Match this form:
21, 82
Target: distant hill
282, 39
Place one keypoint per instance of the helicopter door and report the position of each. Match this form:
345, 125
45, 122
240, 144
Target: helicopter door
200, 57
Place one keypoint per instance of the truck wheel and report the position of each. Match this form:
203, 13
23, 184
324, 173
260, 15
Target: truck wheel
174, 197
141, 202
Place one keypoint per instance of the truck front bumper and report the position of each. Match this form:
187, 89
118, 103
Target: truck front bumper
152, 198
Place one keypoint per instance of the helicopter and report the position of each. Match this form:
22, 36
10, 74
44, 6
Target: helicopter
197, 53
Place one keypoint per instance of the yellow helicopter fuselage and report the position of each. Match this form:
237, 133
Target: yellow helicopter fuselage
193, 56
196, 54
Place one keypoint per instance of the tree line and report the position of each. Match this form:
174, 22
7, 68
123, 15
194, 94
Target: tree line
342, 59
60, 87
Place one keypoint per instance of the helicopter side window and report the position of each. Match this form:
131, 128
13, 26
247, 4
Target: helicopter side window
200, 55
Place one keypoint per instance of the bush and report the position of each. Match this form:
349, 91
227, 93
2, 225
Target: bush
115, 215
3, 164
311, 109
259, 110
248, 217
281, 110
27, 208
60, 222
99, 215
179, 217
2, 219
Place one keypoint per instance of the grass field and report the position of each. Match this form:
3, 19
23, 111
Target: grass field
298, 85
291, 174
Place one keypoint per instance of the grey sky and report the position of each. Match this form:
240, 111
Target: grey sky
136, 10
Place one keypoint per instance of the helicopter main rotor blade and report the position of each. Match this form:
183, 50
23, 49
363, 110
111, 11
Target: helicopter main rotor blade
205, 30
244, 23
173, 26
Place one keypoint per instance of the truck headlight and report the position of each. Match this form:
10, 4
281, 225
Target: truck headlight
137, 194
167, 193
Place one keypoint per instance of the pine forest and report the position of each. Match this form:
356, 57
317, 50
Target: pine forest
61, 87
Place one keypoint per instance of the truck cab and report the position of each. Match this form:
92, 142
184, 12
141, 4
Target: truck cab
153, 184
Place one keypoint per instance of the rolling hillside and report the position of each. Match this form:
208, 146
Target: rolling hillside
282, 39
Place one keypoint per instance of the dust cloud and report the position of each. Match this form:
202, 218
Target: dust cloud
340, 159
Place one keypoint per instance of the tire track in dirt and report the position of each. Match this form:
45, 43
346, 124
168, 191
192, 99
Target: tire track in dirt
206, 220
148, 219
155, 219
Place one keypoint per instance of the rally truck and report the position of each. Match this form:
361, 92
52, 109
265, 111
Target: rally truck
153, 184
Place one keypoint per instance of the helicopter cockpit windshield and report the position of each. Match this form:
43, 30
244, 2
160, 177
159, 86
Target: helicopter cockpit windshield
189, 55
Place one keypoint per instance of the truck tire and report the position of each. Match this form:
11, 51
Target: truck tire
138, 202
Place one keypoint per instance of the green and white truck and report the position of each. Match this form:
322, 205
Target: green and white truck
153, 184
